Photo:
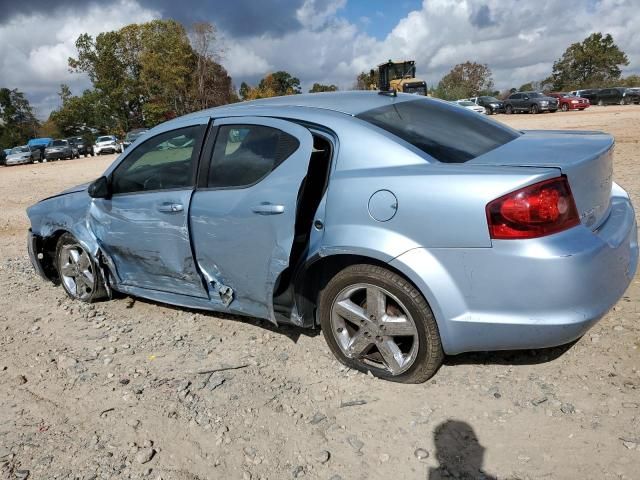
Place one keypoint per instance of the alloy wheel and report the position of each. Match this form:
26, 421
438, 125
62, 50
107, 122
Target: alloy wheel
371, 326
76, 271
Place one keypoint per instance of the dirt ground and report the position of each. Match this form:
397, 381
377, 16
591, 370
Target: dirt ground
115, 389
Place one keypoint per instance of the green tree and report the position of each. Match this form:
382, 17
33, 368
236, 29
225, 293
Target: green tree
18, 124
465, 80
318, 87
594, 62
365, 81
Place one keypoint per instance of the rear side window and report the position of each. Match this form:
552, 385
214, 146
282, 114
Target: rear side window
447, 133
245, 154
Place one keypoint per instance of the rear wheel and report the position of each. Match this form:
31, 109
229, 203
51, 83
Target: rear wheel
375, 321
78, 272
601, 103
508, 110
534, 108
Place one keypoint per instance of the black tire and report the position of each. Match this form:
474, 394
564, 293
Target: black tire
534, 109
565, 107
581, 109
429, 356
508, 109
601, 103
88, 290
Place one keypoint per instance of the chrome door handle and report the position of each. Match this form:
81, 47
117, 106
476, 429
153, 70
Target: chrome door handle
170, 207
266, 208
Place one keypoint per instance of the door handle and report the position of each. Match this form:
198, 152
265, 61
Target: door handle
266, 208
170, 207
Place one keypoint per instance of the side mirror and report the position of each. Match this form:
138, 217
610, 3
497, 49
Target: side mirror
100, 188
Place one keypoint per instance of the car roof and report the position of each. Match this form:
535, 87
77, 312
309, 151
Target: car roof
349, 103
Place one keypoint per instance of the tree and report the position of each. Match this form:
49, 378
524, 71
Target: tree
146, 73
594, 62
318, 87
465, 80
272, 85
18, 124
364, 81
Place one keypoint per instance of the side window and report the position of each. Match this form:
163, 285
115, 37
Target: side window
163, 162
245, 154
515, 96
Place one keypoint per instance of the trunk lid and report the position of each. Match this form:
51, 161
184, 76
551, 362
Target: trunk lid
586, 158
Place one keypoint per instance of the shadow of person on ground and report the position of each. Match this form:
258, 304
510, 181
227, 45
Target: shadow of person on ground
459, 453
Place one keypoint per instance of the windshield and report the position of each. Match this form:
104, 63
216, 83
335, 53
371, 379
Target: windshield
23, 149
58, 143
490, 99
533, 95
437, 128
415, 88
465, 103
105, 139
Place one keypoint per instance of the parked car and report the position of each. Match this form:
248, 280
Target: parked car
82, 146
58, 150
431, 230
531, 102
590, 94
491, 104
567, 101
617, 95
22, 154
40, 144
107, 144
75, 153
132, 136
470, 106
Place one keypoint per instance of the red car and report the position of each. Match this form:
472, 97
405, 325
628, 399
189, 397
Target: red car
566, 101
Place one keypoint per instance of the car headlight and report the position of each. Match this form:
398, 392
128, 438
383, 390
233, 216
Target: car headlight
574, 101
494, 104
544, 102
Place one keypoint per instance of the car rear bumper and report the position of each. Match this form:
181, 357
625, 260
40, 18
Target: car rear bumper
522, 294
577, 106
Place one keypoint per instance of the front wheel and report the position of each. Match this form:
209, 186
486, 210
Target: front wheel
534, 109
508, 110
565, 107
78, 272
375, 321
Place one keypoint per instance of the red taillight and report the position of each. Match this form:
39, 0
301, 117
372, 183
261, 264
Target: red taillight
534, 211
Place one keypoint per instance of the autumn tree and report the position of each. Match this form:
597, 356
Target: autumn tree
594, 62
18, 123
319, 87
146, 73
465, 80
272, 85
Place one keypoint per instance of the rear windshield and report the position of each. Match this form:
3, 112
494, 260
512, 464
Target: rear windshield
447, 133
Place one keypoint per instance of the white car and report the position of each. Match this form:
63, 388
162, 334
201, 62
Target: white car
470, 106
107, 144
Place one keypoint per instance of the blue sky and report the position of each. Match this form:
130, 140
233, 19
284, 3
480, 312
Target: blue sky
378, 17
325, 41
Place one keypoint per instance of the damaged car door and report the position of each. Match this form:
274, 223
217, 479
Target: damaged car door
143, 225
244, 211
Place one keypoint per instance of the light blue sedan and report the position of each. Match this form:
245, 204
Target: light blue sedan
404, 227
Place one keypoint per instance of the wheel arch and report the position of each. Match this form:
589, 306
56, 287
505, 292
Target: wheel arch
319, 270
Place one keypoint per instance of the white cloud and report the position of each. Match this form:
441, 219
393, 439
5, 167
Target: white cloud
34, 49
519, 40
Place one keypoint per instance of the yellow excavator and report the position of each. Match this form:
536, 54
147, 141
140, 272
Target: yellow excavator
398, 77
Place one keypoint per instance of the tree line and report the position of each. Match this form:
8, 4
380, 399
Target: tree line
144, 74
